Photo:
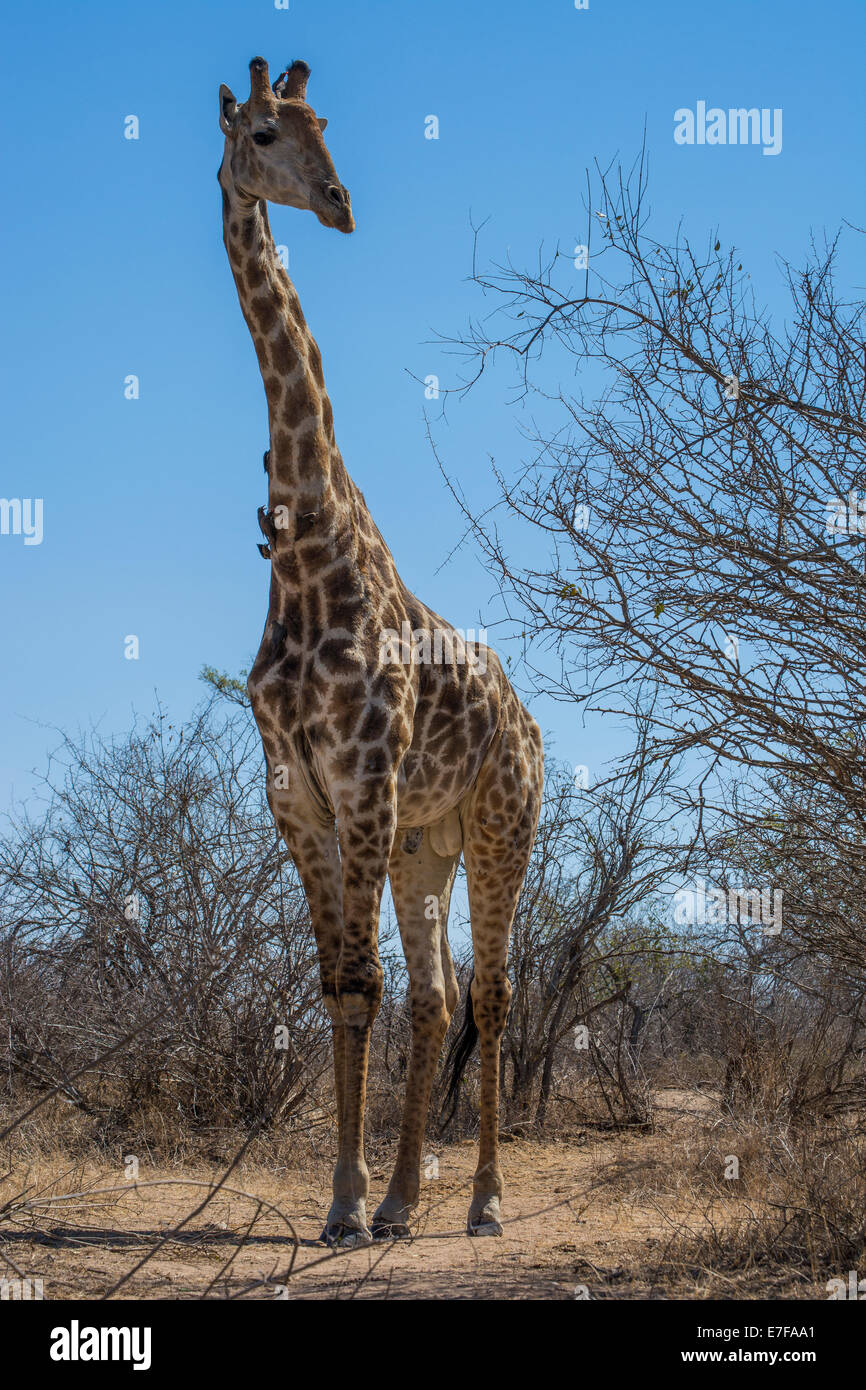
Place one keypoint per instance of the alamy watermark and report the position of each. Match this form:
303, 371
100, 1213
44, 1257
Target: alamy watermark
851, 1288
21, 1290
436, 646
846, 515
22, 516
736, 126
704, 905
77, 1343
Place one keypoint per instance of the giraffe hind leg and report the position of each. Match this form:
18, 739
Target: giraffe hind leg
421, 882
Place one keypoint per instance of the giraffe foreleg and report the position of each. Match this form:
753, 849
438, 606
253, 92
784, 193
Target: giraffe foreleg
315, 851
500, 825
364, 852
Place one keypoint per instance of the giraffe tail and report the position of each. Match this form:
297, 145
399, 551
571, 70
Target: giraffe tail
459, 1052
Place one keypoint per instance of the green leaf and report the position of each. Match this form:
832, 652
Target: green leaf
233, 688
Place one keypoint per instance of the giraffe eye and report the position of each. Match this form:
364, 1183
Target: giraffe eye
265, 137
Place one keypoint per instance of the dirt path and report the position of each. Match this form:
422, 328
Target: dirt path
589, 1214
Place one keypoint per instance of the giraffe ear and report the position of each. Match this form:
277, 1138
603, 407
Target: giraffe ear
323, 121
228, 110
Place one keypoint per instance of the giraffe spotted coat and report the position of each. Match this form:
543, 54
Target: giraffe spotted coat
380, 763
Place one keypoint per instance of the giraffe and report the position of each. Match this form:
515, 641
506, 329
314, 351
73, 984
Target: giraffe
392, 744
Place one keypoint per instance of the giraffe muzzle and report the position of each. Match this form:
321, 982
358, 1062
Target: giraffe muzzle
335, 208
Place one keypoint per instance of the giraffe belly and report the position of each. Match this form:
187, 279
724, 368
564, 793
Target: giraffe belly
429, 795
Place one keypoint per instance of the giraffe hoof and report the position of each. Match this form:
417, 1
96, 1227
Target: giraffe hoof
391, 1230
484, 1228
484, 1218
340, 1237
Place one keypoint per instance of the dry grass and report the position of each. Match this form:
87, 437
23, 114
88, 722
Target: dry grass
624, 1214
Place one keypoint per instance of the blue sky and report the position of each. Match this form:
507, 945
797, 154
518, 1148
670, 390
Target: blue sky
114, 265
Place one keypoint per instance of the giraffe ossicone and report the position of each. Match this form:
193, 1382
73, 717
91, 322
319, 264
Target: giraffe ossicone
387, 767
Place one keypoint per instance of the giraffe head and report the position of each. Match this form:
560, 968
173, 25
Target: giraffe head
275, 149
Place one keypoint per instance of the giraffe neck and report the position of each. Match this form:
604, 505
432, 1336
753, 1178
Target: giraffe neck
306, 473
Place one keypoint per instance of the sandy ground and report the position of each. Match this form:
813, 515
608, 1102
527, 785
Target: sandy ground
583, 1217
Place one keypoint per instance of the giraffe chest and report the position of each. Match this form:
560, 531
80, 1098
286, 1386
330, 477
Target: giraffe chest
338, 709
